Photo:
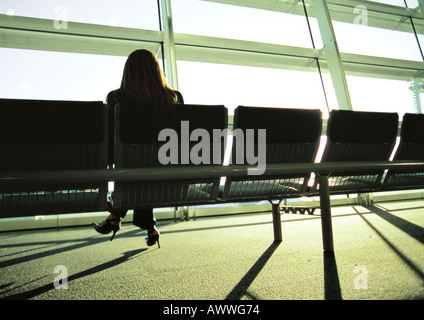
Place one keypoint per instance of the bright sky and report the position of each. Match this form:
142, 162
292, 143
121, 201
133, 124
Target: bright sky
400, 3
123, 13
66, 76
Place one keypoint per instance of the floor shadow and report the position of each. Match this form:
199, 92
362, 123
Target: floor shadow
332, 288
55, 248
76, 245
9, 287
408, 262
415, 231
50, 286
241, 288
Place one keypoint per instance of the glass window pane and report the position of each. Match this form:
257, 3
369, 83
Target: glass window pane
330, 93
124, 13
316, 33
232, 85
412, 3
419, 28
30, 74
382, 95
377, 34
240, 23
399, 3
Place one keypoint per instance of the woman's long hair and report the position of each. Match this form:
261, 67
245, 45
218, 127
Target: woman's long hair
143, 82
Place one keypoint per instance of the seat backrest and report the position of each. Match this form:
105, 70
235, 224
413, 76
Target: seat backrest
211, 118
411, 145
411, 148
360, 136
42, 135
292, 136
52, 135
136, 135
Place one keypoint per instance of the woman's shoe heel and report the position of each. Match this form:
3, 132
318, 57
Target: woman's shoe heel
152, 236
152, 239
107, 227
113, 235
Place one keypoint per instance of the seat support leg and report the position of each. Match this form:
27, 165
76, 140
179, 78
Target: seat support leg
276, 221
326, 224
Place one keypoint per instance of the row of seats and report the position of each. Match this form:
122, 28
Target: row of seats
66, 135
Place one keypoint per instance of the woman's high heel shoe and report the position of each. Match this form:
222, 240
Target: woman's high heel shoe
152, 238
107, 227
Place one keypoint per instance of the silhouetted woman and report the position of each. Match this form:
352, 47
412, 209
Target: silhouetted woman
143, 84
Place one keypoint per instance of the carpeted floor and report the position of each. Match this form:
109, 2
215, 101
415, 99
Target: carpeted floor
379, 255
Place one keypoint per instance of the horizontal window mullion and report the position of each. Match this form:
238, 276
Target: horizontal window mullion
78, 29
